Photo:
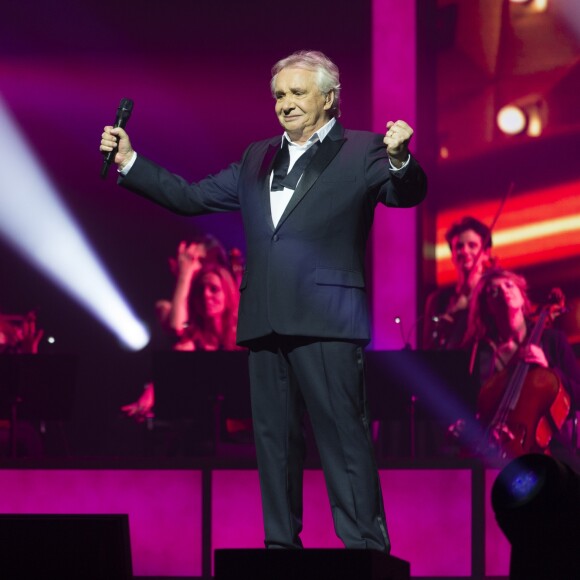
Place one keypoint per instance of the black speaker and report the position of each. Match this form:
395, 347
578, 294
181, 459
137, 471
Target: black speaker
67, 547
309, 564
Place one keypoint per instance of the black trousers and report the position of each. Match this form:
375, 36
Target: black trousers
289, 375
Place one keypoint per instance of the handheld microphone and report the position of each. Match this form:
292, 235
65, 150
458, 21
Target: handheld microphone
123, 114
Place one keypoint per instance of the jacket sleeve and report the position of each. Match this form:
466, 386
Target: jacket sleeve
215, 193
404, 188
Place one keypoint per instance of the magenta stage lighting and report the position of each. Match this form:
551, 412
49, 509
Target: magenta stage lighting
34, 220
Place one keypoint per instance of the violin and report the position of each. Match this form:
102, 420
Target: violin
523, 406
445, 330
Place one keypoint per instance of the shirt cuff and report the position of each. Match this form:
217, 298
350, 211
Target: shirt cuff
130, 164
393, 168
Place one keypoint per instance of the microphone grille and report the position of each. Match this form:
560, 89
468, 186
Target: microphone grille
126, 105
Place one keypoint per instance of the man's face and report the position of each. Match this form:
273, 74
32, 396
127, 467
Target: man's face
301, 107
464, 250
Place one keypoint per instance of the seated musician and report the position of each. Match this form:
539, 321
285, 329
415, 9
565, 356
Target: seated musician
19, 334
499, 330
445, 318
201, 316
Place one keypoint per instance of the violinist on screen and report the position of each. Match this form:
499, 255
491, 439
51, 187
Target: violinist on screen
446, 308
502, 334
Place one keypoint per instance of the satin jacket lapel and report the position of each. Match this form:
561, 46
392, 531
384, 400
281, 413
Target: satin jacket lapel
264, 181
326, 153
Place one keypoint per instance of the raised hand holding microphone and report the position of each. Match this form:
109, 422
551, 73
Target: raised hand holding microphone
115, 144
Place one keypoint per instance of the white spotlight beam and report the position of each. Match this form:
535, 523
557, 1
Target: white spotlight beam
35, 221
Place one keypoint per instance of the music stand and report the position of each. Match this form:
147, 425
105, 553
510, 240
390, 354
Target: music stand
403, 385
201, 387
185, 380
36, 387
413, 386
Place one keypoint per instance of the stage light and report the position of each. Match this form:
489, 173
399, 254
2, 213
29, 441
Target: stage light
533, 5
35, 222
528, 115
536, 500
511, 120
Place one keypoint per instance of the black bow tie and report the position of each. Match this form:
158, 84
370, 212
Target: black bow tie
282, 178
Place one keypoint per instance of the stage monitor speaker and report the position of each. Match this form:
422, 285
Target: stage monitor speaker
309, 564
67, 547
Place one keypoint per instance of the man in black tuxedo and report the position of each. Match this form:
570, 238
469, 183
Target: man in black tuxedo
307, 201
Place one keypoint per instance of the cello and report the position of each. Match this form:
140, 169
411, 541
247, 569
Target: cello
522, 407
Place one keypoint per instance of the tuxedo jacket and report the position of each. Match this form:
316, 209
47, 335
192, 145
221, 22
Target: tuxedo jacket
305, 276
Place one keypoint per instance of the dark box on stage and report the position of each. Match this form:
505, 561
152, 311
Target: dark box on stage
67, 547
309, 565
